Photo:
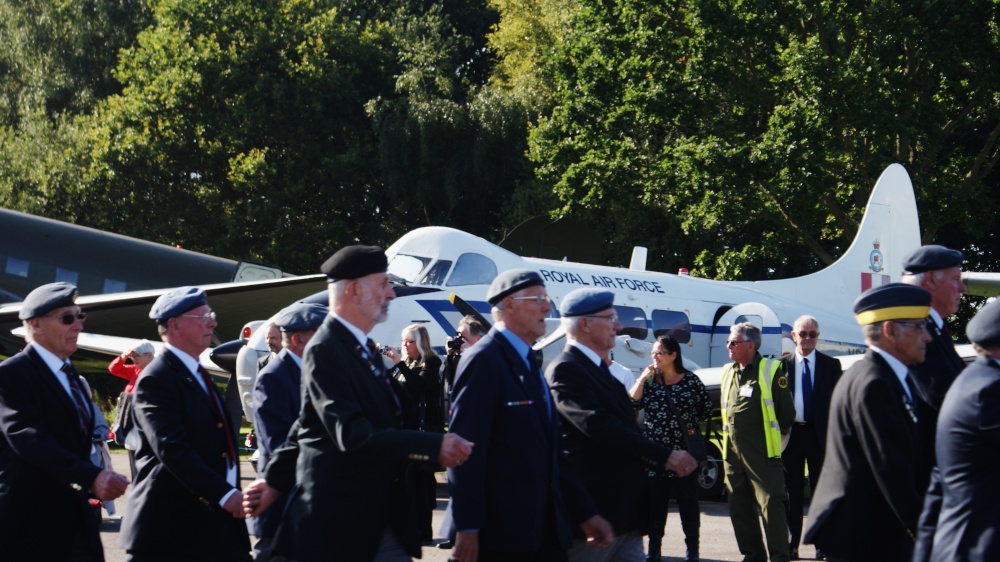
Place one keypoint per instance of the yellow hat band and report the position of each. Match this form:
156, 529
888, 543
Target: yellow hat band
892, 313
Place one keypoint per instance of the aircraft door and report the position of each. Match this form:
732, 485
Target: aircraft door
757, 314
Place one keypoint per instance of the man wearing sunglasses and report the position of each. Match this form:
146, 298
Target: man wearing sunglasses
46, 420
811, 378
186, 503
867, 503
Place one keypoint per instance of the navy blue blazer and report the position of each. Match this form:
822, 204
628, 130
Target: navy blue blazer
45, 468
173, 510
603, 440
826, 372
968, 453
867, 502
351, 448
517, 473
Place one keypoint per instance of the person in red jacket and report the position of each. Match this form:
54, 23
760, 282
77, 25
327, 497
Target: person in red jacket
140, 355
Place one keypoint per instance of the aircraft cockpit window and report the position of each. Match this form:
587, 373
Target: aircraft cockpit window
673, 323
473, 269
16, 266
114, 286
437, 273
633, 322
406, 269
67, 276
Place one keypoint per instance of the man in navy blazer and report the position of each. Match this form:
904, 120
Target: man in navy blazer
968, 452
277, 399
866, 506
347, 457
186, 503
46, 477
517, 496
602, 439
807, 439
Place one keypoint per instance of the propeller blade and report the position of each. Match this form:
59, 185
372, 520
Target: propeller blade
468, 310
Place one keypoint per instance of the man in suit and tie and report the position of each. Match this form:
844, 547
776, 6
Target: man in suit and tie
517, 497
46, 420
277, 399
867, 503
356, 435
186, 503
600, 434
811, 378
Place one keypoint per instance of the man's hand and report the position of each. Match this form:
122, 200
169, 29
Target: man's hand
454, 450
598, 531
681, 462
466, 547
109, 485
258, 497
234, 505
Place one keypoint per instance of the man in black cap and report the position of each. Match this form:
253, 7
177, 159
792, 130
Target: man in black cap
518, 496
601, 436
968, 449
277, 399
867, 503
46, 421
355, 436
186, 503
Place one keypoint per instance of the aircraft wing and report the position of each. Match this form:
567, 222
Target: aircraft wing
126, 315
981, 284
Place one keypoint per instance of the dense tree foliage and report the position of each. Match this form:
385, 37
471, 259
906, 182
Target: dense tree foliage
758, 130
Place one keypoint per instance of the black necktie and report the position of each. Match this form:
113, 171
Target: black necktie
378, 368
910, 401
219, 417
807, 391
76, 389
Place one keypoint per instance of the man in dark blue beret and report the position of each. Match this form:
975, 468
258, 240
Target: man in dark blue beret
598, 417
46, 422
349, 451
186, 504
277, 399
502, 400
968, 525
867, 503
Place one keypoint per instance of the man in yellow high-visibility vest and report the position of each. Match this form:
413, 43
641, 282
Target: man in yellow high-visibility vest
757, 408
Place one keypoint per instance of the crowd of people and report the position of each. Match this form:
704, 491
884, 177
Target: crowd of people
574, 463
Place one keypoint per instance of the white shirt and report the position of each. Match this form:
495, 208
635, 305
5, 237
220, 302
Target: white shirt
898, 368
800, 407
55, 364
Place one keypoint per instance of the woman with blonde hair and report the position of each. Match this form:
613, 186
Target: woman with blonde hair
419, 373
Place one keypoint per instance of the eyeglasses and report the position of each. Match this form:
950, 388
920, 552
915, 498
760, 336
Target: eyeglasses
734, 343
68, 317
207, 317
537, 299
921, 325
613, 318
812, 334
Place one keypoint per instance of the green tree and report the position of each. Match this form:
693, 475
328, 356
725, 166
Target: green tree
760, 130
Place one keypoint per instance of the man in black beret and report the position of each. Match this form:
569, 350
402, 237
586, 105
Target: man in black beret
597, 417
518, 498
355, 436
867, 503
46, 424
277, 399
968, 526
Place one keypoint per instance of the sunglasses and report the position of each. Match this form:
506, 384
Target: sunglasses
68, 317
734, 343
810, 335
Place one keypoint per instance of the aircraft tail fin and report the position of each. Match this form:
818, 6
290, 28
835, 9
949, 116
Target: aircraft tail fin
889, 230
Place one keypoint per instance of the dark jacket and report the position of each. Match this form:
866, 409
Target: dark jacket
826, 373
45, 468
867, 503
173, 510
517, 473
351, 450
603, 440
423, 384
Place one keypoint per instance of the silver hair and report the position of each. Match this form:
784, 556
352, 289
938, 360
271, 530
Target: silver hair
873, 332
805, 319
747, 331
919, 278
144, 347
571, 324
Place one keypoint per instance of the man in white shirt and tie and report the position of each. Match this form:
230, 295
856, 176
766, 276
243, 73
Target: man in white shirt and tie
812, 377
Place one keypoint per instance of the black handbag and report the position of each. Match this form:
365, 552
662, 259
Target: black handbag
123, 418
694, 441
